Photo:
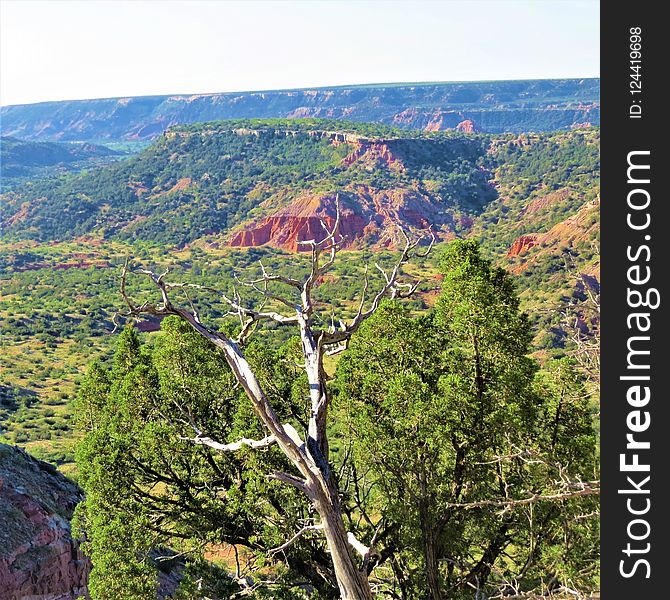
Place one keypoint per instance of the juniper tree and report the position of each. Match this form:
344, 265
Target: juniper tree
290, 302
147, 488
461, 441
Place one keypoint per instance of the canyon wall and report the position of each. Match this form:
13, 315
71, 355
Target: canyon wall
493, 106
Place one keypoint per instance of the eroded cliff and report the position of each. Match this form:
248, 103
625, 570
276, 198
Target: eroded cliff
39, 559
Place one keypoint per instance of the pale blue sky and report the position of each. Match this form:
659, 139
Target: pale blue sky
62, 49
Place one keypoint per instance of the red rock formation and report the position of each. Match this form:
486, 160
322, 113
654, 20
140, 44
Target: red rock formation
38, 557
467, 126
520, 245
578, 228
368, 216
406, 117
299, 221
19, 216
372, 151
435, 124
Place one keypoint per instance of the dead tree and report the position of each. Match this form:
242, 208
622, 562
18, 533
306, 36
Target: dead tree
310, 456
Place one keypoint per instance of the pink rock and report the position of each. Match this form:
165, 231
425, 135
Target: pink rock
39, 559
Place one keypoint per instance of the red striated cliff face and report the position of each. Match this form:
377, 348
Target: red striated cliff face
436, 120
523, 243
576, 229
372, 152
38, 557
367, 217
535, 212
299, 221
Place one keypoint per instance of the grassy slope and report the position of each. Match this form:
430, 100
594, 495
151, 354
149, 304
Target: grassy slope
59, 296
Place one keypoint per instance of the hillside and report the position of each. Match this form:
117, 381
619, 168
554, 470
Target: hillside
223, 177
491, 106
211, 200
21, 159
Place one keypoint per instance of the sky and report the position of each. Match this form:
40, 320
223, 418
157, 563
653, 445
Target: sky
76, 49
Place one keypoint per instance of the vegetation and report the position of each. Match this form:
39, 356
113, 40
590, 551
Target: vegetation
452, 425
58, 297
461, 438
21, 160
458, 461
207, 178
531, 168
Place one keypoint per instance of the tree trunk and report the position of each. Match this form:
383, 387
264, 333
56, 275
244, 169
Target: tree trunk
433, 588
310, 457
353, 583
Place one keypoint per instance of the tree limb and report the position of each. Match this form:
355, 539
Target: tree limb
234, 446
285, 545
587, 488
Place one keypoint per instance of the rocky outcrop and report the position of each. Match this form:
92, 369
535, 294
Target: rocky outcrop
467, 126
573, 229
523, 243
432, 120
371, 152
39, 559
368, 217
299, 221
577, 229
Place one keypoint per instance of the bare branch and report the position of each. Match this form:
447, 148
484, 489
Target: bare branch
234, 446
285, 545
366, 553
296, 482
278, 278
392, 288
124, 277
265, 290
294, 435
235, 358
586, 488
313, 475
233, 303
357, 545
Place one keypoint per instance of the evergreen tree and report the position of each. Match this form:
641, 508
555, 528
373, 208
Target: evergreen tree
467, 466
147, 488
445, 412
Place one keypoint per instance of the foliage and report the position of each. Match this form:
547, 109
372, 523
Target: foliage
148, 487
58, 299
21, 159
432, 403
206, 178
443, 429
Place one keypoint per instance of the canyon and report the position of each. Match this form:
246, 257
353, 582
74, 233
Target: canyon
488, 106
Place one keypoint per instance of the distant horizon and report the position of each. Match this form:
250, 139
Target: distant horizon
303, 88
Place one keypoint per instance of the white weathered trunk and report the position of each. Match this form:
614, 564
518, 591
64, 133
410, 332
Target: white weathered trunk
353, 583
313, 465
310, 457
